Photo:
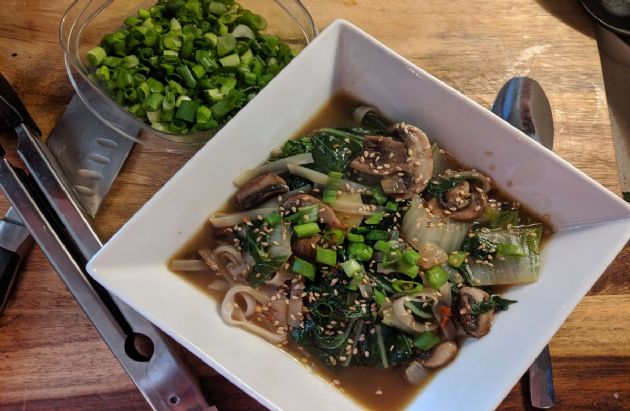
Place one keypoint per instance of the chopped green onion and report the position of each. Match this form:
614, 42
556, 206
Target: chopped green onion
273, 218
155, 85
306, 230
233, 60
334, 236
375, 235
130, 61
437, 276
204, 115
322, 309
511, 250
407, 287
360, 251
242, 31
426, 340
187, 76
96, 56
382, 246
325, 256
304, 268
351, 267
379, 298
332, 186
153, 102
410, 270
374, 218
225, 44
355, 238
457, 258
411, 256
187, 111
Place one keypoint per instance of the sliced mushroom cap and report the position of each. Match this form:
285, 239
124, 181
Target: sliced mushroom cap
420, 160
441, 355
382, 156
475, 325
260, 189
326, 214
474, 206
305, 247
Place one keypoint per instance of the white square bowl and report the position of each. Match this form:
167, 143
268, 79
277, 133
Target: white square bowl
593, 225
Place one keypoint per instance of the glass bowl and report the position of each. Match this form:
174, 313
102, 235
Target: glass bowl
85, 23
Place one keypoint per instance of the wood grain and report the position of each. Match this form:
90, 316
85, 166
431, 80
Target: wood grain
51, 357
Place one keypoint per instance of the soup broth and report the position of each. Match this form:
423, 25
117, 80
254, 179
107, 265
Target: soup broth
373, 388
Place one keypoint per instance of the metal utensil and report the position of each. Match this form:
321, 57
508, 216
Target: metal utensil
67, 239
15, 243
87, 157
523, 103
88, 153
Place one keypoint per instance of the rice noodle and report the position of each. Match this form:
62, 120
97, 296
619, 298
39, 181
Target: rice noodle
232, 260
276, 167
279, 278
416, 372
233, 314
188, 265
321, 178
240, 218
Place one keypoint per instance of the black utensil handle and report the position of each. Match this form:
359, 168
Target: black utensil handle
9, 262
12, 110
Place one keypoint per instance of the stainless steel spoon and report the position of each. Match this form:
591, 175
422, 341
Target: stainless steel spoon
523, 103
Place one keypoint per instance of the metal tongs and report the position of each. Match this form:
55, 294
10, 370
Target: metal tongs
48, 211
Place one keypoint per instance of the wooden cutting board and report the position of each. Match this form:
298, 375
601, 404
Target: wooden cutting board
52, 358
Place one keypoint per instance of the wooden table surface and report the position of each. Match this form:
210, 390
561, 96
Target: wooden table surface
52, 358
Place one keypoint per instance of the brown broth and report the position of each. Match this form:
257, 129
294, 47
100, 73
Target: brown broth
361, 383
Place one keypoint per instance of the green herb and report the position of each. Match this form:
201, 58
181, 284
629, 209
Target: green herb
411, 256
495, 302
332, 186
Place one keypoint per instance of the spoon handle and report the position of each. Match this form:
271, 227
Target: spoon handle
541, 389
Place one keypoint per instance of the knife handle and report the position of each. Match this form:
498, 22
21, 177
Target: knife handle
9, 263
12, 110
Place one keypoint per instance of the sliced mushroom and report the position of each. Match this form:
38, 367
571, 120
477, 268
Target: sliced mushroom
420, 158
405, 160
260, 189
441, 355
382, 156
305, 247
326, 214
473, 208
476, 325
